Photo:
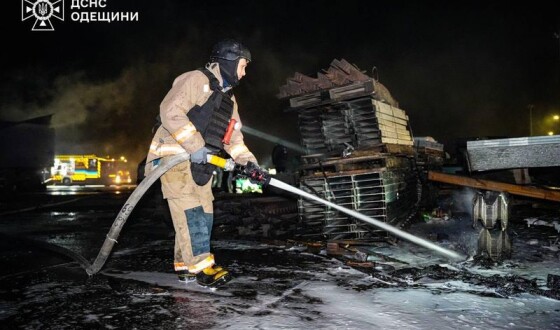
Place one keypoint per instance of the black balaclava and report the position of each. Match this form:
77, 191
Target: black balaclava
228, 70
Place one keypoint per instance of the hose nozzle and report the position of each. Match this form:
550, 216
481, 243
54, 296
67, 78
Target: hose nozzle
255, 174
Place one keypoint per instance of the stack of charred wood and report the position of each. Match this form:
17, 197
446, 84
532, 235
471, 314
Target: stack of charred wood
344, 109
339, 73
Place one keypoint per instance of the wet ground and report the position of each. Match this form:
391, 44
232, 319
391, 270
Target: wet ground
278, 282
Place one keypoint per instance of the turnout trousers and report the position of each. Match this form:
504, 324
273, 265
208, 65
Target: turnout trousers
191, 210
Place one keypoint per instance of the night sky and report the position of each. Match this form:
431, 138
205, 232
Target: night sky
457, 70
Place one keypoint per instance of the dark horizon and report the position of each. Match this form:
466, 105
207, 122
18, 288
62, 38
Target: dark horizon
458, 71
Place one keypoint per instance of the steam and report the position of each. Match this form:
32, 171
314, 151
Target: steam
109, 117
467, 236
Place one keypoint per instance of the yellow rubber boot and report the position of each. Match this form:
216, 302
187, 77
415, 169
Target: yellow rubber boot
210, 277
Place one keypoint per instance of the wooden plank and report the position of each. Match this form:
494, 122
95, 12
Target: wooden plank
382, 116
396, 141
387, 124
306, 99
399, 113
361, 88
403, 131
533, 192
389, 134
399, 149
387, 128
389, 140
404, 137
394, 126
390, 110
382, 107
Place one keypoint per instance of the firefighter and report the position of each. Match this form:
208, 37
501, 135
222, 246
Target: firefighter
195, 114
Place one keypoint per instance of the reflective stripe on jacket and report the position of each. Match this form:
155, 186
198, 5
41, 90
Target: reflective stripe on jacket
177, 134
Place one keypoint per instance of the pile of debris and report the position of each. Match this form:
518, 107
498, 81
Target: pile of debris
345, 109
250, 216
339, 73
359, 153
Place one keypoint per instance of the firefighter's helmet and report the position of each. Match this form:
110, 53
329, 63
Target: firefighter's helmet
230, 50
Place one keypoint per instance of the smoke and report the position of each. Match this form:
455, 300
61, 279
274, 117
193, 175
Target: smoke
457, 231
106, 117
98, 110
79, 103
75, 101
462, 200
465, 235
112, 114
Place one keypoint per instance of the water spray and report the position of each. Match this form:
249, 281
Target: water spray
254, 173
403, 234
258, 175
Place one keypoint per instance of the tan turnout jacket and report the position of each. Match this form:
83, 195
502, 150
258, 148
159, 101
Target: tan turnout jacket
177, 134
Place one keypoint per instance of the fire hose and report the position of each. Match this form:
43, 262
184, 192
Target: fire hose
165, 165
254, 173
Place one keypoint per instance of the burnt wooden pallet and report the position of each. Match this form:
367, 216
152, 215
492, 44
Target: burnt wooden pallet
309, 99
352, 91
334, 94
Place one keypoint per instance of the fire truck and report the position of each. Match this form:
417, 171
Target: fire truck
89, 169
